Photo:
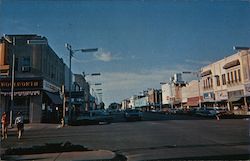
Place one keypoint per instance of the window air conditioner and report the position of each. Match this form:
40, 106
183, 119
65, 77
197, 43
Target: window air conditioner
26, 68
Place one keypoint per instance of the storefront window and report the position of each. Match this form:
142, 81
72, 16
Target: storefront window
218, 80
235, 76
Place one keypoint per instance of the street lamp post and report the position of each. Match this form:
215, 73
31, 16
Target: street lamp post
13, 42
71, 54
198, 78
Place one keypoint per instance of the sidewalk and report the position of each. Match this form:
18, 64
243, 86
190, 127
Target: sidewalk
66, 156
59, 156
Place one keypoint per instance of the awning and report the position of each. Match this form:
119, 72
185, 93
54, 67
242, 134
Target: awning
208, 72
234, 99
55, 98
231, 64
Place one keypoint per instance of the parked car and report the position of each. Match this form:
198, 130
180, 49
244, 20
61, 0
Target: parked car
133, 114
170, 111
93, 117
208, 111
192, 111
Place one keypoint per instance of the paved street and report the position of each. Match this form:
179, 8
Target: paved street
149, 140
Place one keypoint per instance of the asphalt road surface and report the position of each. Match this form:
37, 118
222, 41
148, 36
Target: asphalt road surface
150, 140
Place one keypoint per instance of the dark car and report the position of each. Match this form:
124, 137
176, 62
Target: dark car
133, 114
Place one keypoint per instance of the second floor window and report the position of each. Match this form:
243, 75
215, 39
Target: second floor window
218, 80
239, 75
26, 61
223, 79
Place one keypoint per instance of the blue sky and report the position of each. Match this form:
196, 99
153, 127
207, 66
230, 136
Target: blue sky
141, 43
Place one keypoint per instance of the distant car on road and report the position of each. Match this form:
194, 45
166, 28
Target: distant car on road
132, 114
93, 117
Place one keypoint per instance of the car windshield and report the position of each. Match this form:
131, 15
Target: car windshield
117, 80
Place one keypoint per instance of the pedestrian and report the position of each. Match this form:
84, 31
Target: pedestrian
19, 124
4, 126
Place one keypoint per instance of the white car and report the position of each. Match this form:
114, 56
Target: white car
93, 117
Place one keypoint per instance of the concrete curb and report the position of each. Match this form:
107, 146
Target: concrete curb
65, 156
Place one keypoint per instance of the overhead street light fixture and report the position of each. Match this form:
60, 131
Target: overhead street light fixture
92, 74
95, 74
241, 48
83, 50
187, 72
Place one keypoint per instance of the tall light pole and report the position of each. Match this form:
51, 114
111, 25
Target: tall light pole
13, 42
198, 78
71, 54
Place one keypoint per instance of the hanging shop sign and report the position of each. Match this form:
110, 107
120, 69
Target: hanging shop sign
50, 87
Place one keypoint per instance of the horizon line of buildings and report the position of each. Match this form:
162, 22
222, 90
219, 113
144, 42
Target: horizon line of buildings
40, 77
224, 83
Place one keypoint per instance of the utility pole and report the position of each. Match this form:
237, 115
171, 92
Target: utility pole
71, 54
12, 82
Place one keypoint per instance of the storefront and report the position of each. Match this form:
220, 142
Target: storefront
221, 98
29, 98
209, 99
194, 101
236, 101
